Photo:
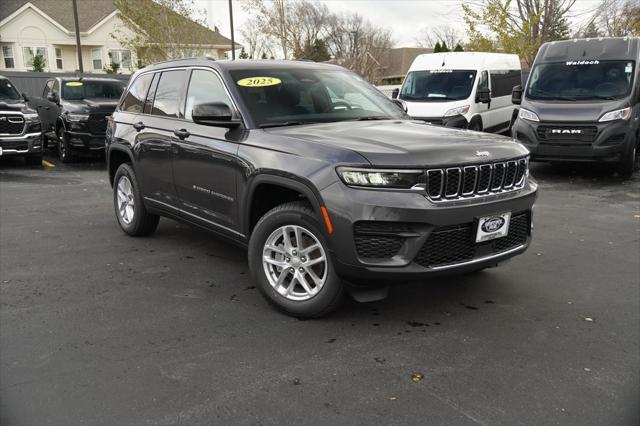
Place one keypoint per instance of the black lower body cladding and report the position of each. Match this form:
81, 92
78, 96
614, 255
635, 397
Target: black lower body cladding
394, 237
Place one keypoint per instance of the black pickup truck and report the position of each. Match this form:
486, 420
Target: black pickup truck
73, 112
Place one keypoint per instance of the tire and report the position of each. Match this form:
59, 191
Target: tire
65, 152
323, 292
475, 124
133, 217
34, 160
631, 161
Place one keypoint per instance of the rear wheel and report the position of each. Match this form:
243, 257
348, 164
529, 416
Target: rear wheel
65, 152
289, 261
130, 211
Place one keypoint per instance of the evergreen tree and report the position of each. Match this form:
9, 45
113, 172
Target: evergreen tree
38, 63
443, 47
458, 48
243, 54
437, 48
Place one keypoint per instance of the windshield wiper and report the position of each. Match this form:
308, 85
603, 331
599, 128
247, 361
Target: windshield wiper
285, 124
373, 117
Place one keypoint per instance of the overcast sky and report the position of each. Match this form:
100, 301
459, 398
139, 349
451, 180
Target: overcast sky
403, 17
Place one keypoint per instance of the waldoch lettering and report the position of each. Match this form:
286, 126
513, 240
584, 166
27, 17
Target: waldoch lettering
593, 62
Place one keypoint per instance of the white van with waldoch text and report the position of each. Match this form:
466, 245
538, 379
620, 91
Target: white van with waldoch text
470, 90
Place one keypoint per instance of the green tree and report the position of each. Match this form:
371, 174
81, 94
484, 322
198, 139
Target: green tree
162, 29
264, 55
243, 54
38, 63
113, 66
317, 52
444, 47
437, 48
458, 48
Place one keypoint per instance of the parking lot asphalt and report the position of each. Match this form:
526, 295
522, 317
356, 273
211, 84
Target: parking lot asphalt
100, 328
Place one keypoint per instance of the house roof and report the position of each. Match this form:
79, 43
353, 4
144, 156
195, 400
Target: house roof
91, 12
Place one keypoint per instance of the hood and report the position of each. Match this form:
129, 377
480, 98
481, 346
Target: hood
432, 109
13, 105
573, 111
90, 105
406, 143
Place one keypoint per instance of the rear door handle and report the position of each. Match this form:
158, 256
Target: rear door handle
181, 133
138, 126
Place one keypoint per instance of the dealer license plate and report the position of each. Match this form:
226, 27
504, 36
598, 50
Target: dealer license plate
492, 227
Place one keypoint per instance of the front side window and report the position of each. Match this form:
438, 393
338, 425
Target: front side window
86, 89
96, 58
134, 100
30, 52
284, 96
8, 91
7, 54
581, 80
438, 85
205, 86
166, 101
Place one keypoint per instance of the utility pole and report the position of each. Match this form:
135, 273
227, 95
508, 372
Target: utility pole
78, 47
233, 43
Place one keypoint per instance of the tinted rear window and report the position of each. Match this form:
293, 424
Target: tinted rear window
134, 100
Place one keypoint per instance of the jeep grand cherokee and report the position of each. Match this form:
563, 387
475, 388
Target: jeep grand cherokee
321, 176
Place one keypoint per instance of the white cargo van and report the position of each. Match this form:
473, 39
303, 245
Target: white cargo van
462, 89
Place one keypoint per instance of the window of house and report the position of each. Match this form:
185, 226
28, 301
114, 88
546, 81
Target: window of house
121, 57
167, 99
96, 58
7, 54
30, 52
58, 58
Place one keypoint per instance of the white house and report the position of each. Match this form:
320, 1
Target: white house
47, 27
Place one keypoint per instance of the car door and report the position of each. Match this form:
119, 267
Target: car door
502, 83
47, 110
205, 159
154, 128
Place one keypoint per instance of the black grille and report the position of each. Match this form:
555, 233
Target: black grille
97, 123
11, 124
379, 240
19, 145
461, 182
567, 133
456, 244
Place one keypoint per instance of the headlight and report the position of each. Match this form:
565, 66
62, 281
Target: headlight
402, 179
525, 114
31, 116
77, 117
457, 111
619, 114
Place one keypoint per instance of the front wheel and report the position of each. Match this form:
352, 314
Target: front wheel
631, 162
290, 262
65, 152
131, 213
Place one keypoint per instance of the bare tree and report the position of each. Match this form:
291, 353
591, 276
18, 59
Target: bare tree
256, 42
617, 18
272, 19
428, 37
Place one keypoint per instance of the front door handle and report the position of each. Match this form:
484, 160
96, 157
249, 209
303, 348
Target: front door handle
138, 126
181, 133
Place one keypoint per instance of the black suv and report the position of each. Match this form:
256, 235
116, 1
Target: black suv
318, 173
20, 129
74, 110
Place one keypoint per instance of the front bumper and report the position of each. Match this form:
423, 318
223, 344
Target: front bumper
599, 142
393, 236
27, 144
85, 141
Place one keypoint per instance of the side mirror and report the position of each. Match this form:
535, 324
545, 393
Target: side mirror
483, 95
516, 95
53, 97
214, 114
402, 104
25, 97
395, 93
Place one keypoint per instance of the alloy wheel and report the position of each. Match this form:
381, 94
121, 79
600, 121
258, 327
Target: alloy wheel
125, 200
295, 262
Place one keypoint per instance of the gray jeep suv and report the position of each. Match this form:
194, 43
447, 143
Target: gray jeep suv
328, 183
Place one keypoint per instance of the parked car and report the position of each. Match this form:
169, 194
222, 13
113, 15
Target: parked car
20, 129
319, 174
462, 89
582, 103
74, 111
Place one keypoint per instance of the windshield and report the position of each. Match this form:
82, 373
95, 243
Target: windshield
581, 80
290, 96
438, 85
92, 89
7, 91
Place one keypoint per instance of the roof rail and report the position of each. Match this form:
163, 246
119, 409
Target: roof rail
191, 58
